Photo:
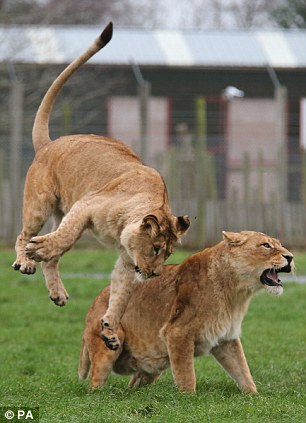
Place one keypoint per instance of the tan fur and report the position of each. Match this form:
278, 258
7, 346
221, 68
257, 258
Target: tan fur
194, 308
99, 184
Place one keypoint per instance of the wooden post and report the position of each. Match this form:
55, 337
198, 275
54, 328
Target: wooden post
281, 139
144, 93
201, 151
174, 172
212, 189
260, 180
246, 170
144, 98
303, 179
66, 118
260, 191
16, 123
2, 230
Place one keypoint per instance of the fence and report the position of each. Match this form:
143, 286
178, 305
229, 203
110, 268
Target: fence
209, 214
264, 190
274, 216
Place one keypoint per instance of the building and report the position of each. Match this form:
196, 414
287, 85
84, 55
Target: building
255, 140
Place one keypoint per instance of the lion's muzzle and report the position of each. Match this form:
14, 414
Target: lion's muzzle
270, 276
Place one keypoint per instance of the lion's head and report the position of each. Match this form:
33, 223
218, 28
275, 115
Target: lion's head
148, 243
259, 259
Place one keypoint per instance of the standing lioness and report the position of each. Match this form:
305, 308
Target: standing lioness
191, 309
97, 183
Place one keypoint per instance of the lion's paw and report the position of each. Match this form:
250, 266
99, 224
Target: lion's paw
59, 297
26, 266
42, 248
110, 339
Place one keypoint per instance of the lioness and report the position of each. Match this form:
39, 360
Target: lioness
191, 309
98, 184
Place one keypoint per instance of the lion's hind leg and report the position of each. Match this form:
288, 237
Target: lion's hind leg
84, 364
142, 378
180, 347
22, 263
37, 208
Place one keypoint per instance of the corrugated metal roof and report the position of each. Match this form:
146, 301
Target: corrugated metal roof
207, 48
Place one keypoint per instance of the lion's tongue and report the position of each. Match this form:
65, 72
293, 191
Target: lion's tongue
273, 275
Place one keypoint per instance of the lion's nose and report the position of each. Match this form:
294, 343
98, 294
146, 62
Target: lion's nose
288, 258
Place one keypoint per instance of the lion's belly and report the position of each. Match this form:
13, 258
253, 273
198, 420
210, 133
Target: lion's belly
149, 351
78, 165
152, 365
105, 238
203, 348
208, 339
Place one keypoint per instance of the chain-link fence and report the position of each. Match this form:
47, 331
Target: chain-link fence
230, 164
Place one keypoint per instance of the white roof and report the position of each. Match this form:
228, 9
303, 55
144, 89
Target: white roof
203, 48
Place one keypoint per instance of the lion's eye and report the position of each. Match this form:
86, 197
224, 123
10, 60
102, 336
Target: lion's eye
156, 250
266, 245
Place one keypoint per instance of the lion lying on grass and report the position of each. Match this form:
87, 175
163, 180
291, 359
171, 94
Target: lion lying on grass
191, 309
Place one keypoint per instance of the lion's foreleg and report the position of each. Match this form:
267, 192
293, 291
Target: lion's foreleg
52, 246
231, 357
122, 283
57, 291
102, 362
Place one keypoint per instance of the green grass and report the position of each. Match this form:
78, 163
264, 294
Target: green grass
39, 349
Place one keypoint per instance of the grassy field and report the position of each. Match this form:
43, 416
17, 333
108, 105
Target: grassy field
40, 347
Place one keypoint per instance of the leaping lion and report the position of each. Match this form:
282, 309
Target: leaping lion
96, 183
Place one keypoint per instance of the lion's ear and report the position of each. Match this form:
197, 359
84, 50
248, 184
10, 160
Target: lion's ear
182, 224
151, 225
234, 238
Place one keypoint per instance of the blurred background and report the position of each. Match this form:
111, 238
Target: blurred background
212, 93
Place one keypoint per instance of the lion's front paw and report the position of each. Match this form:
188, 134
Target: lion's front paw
110, 339
59, 297
42, 248
249, 389
26, 266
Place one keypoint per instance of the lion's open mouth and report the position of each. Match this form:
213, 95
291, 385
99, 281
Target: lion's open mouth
270, 276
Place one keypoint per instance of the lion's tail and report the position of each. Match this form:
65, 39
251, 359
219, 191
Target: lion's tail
84, 364
40, 131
